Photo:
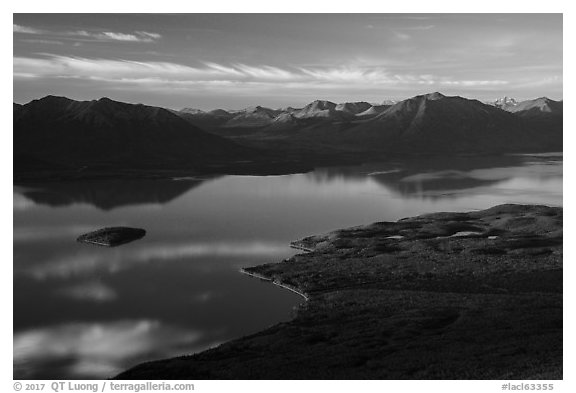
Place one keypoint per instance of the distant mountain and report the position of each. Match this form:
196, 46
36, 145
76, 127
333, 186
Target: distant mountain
260, 118
542, 114
192, 111
57, 132
374, 110
426, 124
289, 109
219, 113
286, 122
537, 107
204, 120
430, 124
257, 116
323, 110
503, 103
318, 108
286, 118
435, 123
353, 107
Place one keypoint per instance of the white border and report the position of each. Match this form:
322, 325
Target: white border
381, 6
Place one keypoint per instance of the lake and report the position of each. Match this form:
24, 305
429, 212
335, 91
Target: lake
84, 312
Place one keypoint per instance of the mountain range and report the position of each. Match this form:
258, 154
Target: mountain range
503, 103
259, 116
57, 132
433, 123
60, 133
426, 124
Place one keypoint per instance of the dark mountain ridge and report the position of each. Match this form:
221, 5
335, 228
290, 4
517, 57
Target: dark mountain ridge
56, 132
257, 116
438, 123
353, 107
324, 110
426, 124
543, 115
537, 106
62, 133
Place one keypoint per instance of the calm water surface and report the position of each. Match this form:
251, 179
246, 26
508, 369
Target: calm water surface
82, 311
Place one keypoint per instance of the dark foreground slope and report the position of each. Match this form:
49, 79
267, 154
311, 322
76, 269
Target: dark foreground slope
442, 296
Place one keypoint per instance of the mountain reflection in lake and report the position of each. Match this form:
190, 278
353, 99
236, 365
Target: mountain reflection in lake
89, 312
108, 194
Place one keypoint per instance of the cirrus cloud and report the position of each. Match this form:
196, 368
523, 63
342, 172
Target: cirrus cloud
136, 36
214, 75
25, 29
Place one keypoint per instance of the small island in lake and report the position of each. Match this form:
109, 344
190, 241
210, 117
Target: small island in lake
112, 237
474, 295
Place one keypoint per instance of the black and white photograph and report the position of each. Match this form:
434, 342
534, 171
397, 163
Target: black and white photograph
288, 196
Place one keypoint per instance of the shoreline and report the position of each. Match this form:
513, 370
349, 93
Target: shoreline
427, 306
296, 246
264, 278
277, 165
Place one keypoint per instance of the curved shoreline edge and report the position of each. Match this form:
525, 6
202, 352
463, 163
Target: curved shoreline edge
264, 278
428, 305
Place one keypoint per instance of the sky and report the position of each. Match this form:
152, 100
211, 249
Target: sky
233, 61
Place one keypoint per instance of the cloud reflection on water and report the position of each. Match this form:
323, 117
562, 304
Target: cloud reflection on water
97, 350
113, 260
91, 290
41, 233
